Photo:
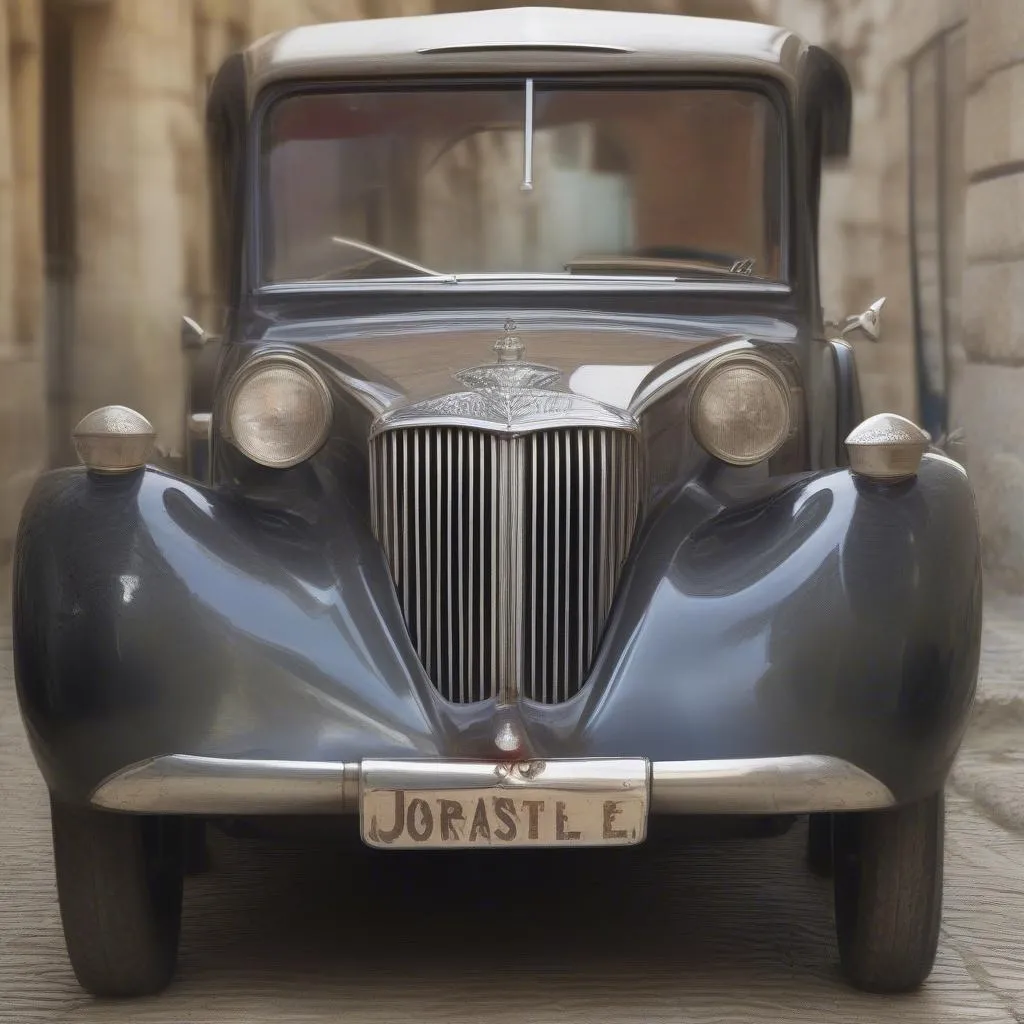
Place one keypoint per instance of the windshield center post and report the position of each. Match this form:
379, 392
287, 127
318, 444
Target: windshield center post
527, 185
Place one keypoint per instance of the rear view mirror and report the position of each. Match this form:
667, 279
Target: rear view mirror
868, 323
192, 335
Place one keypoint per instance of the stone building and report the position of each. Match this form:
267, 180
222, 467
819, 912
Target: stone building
103, 238
103, 242
929, 211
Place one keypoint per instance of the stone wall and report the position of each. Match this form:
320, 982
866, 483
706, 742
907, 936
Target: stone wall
866, 244
989, 394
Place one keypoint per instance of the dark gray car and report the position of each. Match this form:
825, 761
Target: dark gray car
529, 500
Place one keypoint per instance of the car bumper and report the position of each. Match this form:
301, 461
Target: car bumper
235, 787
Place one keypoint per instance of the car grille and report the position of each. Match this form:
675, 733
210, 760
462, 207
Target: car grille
505, 551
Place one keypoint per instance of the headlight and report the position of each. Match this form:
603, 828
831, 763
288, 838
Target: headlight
740, 409
279, 412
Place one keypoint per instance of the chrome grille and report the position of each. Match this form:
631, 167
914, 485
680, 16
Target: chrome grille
505, 551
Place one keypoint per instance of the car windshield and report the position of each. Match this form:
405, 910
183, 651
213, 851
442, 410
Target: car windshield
529, 178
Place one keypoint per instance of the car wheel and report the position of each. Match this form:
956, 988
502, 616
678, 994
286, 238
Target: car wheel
119, 882
888, 893
819, 844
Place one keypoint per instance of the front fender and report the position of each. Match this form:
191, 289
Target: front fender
838, 617
156, 616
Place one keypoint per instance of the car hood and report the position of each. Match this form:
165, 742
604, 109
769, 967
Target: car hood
396, 363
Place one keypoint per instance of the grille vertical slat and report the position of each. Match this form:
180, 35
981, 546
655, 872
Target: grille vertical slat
581, 551
532, 565
595, 551
472, 524
459, 542
565, 639
544, 645
505, 551
558, 563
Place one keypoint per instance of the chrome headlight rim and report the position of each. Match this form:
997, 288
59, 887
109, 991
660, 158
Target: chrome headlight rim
251, 369
707, 375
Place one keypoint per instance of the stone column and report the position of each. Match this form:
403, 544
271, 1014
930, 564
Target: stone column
135, 147
988, 395
22, 387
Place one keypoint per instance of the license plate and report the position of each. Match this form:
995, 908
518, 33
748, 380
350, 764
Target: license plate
460, 804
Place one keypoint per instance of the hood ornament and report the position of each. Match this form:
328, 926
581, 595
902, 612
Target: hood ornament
509, 394
509, 348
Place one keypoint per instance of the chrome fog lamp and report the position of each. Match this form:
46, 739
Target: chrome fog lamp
886, 448
740, 411
278, 412
113, 439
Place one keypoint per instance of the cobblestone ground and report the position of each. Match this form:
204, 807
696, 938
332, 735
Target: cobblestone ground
722, 932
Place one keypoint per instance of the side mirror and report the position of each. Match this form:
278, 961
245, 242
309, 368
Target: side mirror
192, 335
867, 323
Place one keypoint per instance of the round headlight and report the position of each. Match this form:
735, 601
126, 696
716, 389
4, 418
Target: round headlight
740, 411
279, 412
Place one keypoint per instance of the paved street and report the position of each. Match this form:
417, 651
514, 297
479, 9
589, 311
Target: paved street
713, 933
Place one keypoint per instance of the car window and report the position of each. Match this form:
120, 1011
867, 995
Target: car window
610, 180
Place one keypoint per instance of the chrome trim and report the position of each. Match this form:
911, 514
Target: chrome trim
509, 397
113, 440
544, 521
247, 371
198, 443
193, 334
200, 424
373, 397
527, 183
532, 284
189, 784
886, 448
716, 365
667, 376
192, 784
515, 46
765, 785
868, 323
946, 460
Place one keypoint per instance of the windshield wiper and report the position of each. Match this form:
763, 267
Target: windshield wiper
660, 264
394, 258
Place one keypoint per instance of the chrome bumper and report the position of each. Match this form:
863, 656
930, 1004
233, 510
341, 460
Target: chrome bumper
187, 784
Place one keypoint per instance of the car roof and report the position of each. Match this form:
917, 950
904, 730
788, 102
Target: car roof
524, 39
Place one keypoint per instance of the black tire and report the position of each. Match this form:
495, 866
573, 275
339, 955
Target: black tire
819, 845
119, 883
197, 851
888, 893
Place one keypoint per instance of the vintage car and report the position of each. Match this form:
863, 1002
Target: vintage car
529, 499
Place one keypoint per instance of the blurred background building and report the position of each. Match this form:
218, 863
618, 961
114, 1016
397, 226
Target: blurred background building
103, 213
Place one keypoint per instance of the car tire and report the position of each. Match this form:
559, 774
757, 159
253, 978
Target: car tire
819, 845
119, 885
888, 893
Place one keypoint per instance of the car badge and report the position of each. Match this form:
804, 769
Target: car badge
509, 348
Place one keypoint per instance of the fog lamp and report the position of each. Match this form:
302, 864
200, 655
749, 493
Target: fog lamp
886, 448
113, 439
278, 412
740, 411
